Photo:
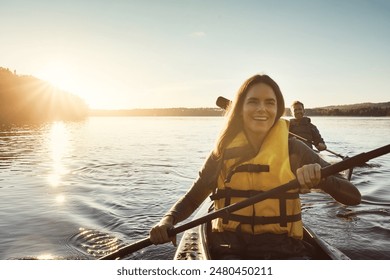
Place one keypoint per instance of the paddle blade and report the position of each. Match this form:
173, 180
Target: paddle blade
223, 102
134, 247
357, 160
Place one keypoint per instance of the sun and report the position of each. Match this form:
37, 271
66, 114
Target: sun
68, 77
63, 76
95, 86
59, 74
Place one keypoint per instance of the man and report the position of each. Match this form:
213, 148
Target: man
302, 128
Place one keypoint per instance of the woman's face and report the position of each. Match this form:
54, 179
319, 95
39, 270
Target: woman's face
259, 110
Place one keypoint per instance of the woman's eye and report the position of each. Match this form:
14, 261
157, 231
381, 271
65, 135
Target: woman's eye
271, 102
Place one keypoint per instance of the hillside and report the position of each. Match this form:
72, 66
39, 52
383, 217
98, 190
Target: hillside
161, 112
357, 106
361, 109
28, 99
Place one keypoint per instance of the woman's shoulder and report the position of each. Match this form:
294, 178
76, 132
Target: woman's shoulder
301, 154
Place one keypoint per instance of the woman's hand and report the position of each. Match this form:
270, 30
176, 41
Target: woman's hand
159, 233
308, 176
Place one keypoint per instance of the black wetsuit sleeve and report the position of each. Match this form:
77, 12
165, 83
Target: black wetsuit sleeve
317, 138
338, 187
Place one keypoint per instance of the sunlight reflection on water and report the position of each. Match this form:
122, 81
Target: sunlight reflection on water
59, 146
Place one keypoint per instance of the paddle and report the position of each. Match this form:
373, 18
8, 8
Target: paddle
223, 103
306, 140
325, 172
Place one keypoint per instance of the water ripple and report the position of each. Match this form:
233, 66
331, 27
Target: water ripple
94, 243
354, 213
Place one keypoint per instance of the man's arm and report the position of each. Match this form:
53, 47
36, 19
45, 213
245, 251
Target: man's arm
318, 141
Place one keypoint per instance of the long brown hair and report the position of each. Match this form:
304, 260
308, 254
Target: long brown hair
234, 123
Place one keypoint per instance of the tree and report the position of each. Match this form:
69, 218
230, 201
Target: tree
29, 99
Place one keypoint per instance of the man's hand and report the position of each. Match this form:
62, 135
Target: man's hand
321, 146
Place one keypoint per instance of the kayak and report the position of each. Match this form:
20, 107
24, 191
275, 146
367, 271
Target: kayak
194, 242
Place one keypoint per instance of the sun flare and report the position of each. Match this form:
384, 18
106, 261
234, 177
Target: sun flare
58, 74
69, 77
97, 88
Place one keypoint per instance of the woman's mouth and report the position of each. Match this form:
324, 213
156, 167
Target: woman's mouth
260, 118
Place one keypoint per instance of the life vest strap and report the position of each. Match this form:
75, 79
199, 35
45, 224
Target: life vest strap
257, 220
237, 152
250, 168
283, 219
229, 192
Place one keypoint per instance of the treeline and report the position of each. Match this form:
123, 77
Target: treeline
29, 99
162, 112
362, 110
354, 110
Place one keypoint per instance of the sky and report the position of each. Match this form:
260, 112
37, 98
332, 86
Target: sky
125, 54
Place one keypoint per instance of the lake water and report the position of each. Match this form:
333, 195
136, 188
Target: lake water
80, 190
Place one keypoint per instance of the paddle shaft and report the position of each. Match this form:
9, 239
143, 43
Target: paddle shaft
325, 172
306, 140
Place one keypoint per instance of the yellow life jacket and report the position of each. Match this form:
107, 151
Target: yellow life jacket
269, 168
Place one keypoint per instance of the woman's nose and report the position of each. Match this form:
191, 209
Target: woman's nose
260, 106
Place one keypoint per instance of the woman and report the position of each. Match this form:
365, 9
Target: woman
254, 154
